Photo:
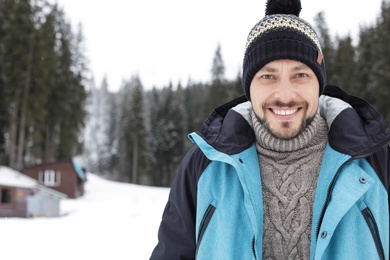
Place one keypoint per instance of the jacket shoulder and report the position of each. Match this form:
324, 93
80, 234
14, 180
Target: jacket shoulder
176, 235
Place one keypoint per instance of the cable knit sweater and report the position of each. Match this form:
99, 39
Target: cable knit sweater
289, 172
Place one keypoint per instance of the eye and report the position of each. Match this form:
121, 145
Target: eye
301, 75
267, 77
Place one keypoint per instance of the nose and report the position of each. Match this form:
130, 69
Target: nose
285, 91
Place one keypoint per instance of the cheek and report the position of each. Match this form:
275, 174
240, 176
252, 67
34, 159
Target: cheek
313, 106
260, 96
257, 107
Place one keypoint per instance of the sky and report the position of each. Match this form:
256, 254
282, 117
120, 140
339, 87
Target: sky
111, 221
175, 40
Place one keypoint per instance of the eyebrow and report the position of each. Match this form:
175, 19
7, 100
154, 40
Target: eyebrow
272, 69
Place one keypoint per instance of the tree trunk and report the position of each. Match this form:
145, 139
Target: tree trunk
24, 106
134, 170
48, 144
22, 134
13, 133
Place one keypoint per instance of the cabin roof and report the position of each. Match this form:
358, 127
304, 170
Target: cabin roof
13, 178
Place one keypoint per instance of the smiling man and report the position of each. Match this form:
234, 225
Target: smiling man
295, 169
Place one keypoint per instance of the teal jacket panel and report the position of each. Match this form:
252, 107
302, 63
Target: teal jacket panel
236, 202
354, 220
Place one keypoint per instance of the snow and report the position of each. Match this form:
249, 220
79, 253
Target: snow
111, 221
10, 177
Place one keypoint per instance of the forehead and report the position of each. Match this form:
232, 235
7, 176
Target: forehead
283, 64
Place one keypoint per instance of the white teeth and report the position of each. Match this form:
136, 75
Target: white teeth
285, 112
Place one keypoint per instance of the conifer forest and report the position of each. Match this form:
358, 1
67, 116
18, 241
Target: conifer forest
50, 110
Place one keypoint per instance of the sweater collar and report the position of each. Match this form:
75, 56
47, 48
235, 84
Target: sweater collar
314, 132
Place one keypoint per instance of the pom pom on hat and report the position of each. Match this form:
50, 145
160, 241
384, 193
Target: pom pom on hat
283, 7
281, 34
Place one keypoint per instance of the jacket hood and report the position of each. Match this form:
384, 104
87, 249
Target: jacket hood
227, 130
355, 127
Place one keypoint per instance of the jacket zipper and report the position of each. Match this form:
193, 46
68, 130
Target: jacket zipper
203, 225
332, 183
367, 214
253, 247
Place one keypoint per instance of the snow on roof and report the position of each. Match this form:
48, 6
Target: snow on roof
79, 171
11, 177
80, 160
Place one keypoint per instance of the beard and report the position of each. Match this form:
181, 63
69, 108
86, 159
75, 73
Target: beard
286, 129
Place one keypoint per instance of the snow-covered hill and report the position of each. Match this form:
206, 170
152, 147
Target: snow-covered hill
111, 221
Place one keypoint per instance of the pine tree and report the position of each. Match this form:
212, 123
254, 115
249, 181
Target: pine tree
218, 68
91, 145
42, 93
218, 93
137, 131
380, 70
124, 160
346, 64
365, 63
373, 62
132, 134
179, 135
4, 118
18, 45
234, 87
195, 100
43, 78
182, 121
166, 136
66, 102
155, 137
328, 48
104, 128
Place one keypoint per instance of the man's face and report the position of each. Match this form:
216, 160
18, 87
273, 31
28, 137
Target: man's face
284, 96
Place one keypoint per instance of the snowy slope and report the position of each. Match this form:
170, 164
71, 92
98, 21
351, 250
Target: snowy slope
111, 221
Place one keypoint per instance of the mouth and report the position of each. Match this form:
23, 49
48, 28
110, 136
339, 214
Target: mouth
284, 112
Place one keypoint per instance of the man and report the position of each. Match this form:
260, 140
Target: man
293, 170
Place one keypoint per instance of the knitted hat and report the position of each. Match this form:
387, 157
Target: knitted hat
281, 34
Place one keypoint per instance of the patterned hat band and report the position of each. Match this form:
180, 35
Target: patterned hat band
282, 22
278, 37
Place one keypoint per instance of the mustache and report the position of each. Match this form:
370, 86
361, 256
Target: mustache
283, 104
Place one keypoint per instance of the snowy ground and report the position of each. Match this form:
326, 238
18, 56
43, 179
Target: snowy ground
111, 221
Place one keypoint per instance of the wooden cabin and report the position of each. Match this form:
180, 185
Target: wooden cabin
22, 196
63, 176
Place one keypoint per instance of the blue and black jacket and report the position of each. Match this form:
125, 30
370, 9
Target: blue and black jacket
215, 206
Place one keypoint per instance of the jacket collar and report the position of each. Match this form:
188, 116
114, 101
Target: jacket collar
355, 127
227, 130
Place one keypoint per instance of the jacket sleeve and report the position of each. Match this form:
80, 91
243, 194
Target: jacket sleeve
380, 161
176, 235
